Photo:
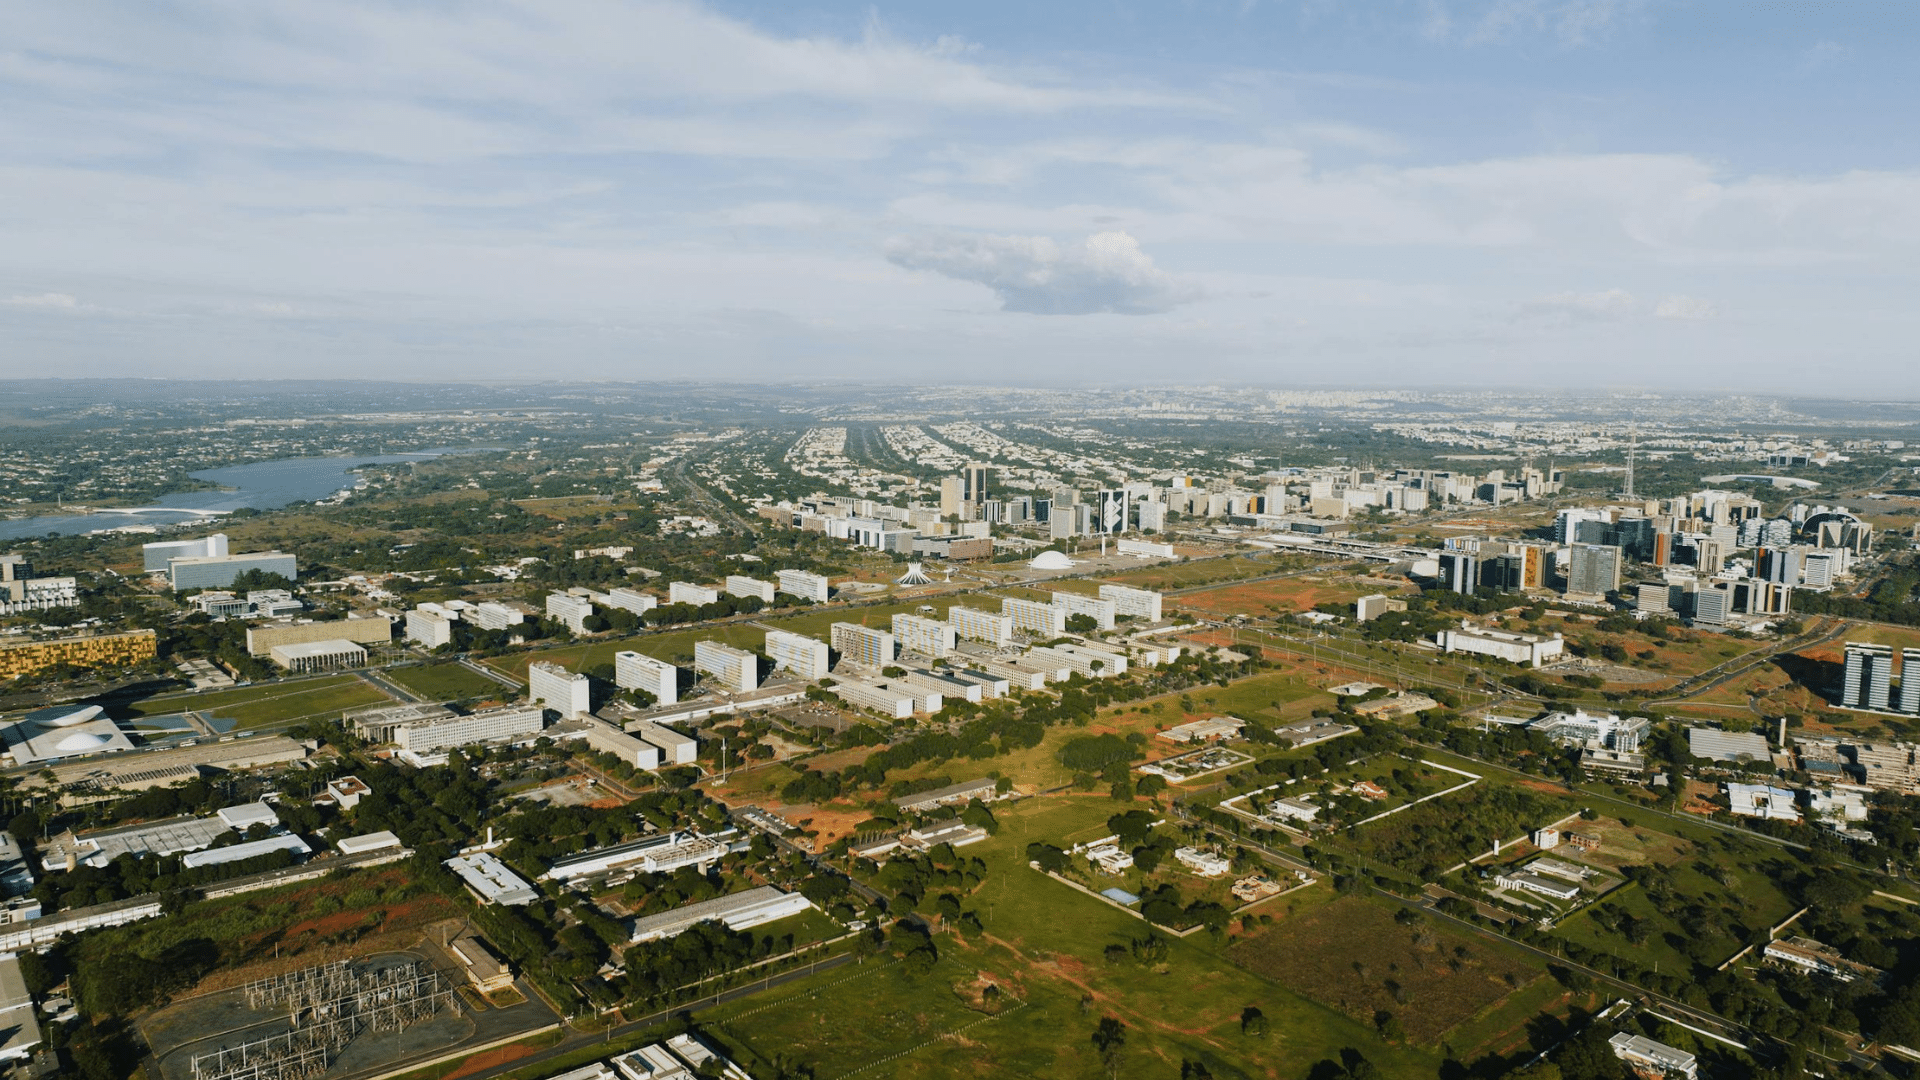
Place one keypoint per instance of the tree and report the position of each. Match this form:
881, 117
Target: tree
1253, 1022
1109, 1038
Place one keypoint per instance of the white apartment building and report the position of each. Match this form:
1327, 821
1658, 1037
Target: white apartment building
1102, 612
430, 628
1034, 617
1142, 604
927, 637
570, 611
862, 644
895, 704
742, 586
735, 670
561, 690
982, 626
638, 671
628, 600
804, 656
804, 585
681, 592
492, 616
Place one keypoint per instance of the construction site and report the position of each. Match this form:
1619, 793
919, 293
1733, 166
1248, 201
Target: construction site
333, 1020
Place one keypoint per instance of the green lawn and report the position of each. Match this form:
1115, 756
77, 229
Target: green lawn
270, 703
1043, 945
1743, 893
445, 682
1266, 697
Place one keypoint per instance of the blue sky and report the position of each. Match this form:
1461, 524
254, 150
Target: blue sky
1512, 193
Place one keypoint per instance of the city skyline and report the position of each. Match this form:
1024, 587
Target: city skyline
1586, 194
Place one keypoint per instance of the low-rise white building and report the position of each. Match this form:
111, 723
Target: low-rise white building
1642, 1052
1514, 647
489, 880
1208, 730
305, 657
1534, 883
739, 911
1204, 863
1762, 801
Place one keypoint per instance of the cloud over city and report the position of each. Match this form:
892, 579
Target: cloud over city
1106, 273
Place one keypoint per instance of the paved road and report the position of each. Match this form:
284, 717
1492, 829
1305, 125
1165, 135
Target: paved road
379, 681
500, 677
1718, 675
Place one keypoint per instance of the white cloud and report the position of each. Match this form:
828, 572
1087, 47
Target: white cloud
1108, 273
433, 83
61, 301
1684, 307
1571, 22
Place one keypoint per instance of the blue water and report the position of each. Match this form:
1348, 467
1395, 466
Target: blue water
263, 485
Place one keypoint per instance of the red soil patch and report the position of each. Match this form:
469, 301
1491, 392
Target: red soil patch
1542, 785
487, 1059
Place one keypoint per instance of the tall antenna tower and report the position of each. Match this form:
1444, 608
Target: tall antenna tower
1633, 442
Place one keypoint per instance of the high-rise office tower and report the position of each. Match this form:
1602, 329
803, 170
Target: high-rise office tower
1869, 676
975, 477
1910, 680
1459, 571
952, 496
1594, 570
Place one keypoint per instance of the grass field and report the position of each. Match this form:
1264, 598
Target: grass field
1682, 653
270, 703
1352, 955
1282, 596
1043, 946
1722, 889
445, 682
1185, 575
285, 928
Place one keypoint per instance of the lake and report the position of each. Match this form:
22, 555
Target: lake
263, 485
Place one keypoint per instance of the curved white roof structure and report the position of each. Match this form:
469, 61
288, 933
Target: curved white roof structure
81, 741
1051, 560
62, 732
79, 716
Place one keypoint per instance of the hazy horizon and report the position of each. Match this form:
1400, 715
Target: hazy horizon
1597, 195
